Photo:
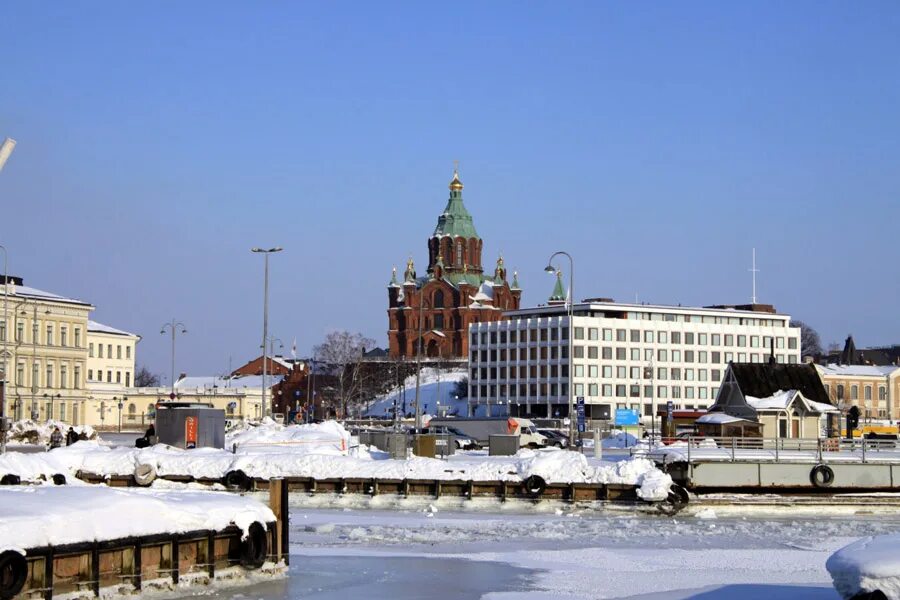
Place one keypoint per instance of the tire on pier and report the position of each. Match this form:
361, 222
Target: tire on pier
677, 499
821, 476
58, 479
10, 479
144, 474
237, 480
13, 572
876, 595
534, 486
255, 547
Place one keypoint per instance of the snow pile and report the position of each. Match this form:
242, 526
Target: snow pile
866, 565
32, 467
31, 517
329, 437
619, 439
34, 432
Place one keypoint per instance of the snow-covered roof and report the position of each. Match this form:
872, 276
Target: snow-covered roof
719, 418
219, 382
782, 399
858, 370
30, 292
101, 328
485, 292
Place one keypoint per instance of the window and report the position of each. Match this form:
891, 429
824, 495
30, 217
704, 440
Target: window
62, 411
676, 337
20, 374
109, 377
662, 373
593, 390
792, 343
77, 337
3, 331
607, 372
438, 324
20, 331
676, 355
620, 335
607, 335
99, 350
109, 351
635, 372
854, 392
662, 355
688, 338
459, 252
729, 339
607, 390
648, 337
662, 337
620, 391
49, 380
593, 333
882, 393
635, 354
635, 335
49, 339
701, 339
63, 336
716, 339
592, 352
607, 353
840, 391
90, 374
579, 333
63, 376
621, 372
579, 351
742, 340
118, 376
688, 356
119, 348
620, 354
579, 370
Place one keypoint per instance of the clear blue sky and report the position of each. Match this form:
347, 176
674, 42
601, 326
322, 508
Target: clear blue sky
657, 142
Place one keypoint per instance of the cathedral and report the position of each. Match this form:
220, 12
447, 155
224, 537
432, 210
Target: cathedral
454, 292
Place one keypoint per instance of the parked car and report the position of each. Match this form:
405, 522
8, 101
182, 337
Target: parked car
554, 437
463, 442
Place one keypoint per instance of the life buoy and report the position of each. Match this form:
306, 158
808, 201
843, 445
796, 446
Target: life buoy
13, 572
144, 474
535, 486
237, 479
254, 547
821, 476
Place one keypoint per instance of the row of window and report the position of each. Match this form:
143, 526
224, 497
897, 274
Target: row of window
636, 336
109, 351
49, 337
592, 390
109, 376
50, 372
854, 392
621, 354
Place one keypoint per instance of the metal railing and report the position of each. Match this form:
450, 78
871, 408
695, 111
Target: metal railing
778, 449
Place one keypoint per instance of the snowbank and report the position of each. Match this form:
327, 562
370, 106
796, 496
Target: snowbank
866, 565
435, 386
35, 432
319, 438
39, 516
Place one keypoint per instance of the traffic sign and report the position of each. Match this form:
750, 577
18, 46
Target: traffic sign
580, 413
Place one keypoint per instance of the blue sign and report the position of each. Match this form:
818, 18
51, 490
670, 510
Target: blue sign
670, 409
626, 416
579, 410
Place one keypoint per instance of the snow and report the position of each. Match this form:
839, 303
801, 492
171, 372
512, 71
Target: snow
101, 328
236, 382
35, 516
718, 418
27, 431
869, 564
323, 451
24, 290
435, 385
779, 400
864, 370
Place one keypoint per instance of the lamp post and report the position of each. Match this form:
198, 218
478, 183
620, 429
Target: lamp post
35, 373
173, 325
265, 335
419, 357
570, 299
5, 352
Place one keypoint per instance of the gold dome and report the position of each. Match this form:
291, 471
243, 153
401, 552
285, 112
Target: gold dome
455, 184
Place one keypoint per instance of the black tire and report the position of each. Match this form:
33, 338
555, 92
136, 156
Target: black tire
10, 479
13, 571
237, 480
821, 476
535, 486
59, 479
678, 497
876, 595
255, 548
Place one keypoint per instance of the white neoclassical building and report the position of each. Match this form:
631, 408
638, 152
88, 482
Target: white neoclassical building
622, 356
110, 374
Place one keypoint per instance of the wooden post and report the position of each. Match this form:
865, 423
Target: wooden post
278, 502
48, 575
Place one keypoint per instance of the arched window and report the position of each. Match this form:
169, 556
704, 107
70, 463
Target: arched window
439, 299
840, 391
854, 392
132, 409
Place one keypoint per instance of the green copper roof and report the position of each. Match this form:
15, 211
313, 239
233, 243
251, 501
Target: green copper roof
456, 278
559, 293
455, 221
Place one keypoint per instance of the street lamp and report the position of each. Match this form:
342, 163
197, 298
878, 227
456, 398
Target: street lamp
173, 325
570, 299
5, 352
265, 335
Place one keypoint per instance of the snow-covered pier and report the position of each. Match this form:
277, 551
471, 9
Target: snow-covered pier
80, 541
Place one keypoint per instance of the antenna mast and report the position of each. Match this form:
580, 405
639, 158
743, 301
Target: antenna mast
754, 271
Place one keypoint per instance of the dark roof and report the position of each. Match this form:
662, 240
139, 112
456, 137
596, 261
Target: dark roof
849, 356
762, 380
375, 353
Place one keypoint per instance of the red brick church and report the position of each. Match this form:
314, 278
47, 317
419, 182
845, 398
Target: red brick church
452, 294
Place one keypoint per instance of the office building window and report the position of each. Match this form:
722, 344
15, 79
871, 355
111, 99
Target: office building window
607, 335
663, 337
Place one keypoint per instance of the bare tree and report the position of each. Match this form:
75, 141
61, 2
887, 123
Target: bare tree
810, 343
342, 352
144, 378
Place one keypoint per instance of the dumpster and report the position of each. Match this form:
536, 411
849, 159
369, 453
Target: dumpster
503, 445
190, 425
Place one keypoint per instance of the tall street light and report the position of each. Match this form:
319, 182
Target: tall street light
5, 352
570, 299
265, 334
173, 325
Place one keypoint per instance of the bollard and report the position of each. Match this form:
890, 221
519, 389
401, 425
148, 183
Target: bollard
598, 449
278, 502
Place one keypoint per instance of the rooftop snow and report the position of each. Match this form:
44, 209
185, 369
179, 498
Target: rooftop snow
719, 418
862, 370
216, 381
101, 328
30, 292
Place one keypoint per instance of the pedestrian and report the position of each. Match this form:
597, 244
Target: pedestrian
56, 438
71, 436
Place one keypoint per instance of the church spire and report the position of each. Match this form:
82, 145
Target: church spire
559, 293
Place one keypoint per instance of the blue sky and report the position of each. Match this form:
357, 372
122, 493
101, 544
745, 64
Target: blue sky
656, 142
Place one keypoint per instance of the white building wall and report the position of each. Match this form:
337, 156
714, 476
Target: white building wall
623, 355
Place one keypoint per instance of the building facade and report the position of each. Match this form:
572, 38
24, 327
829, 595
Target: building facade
437, 309
874, 389
623, 355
